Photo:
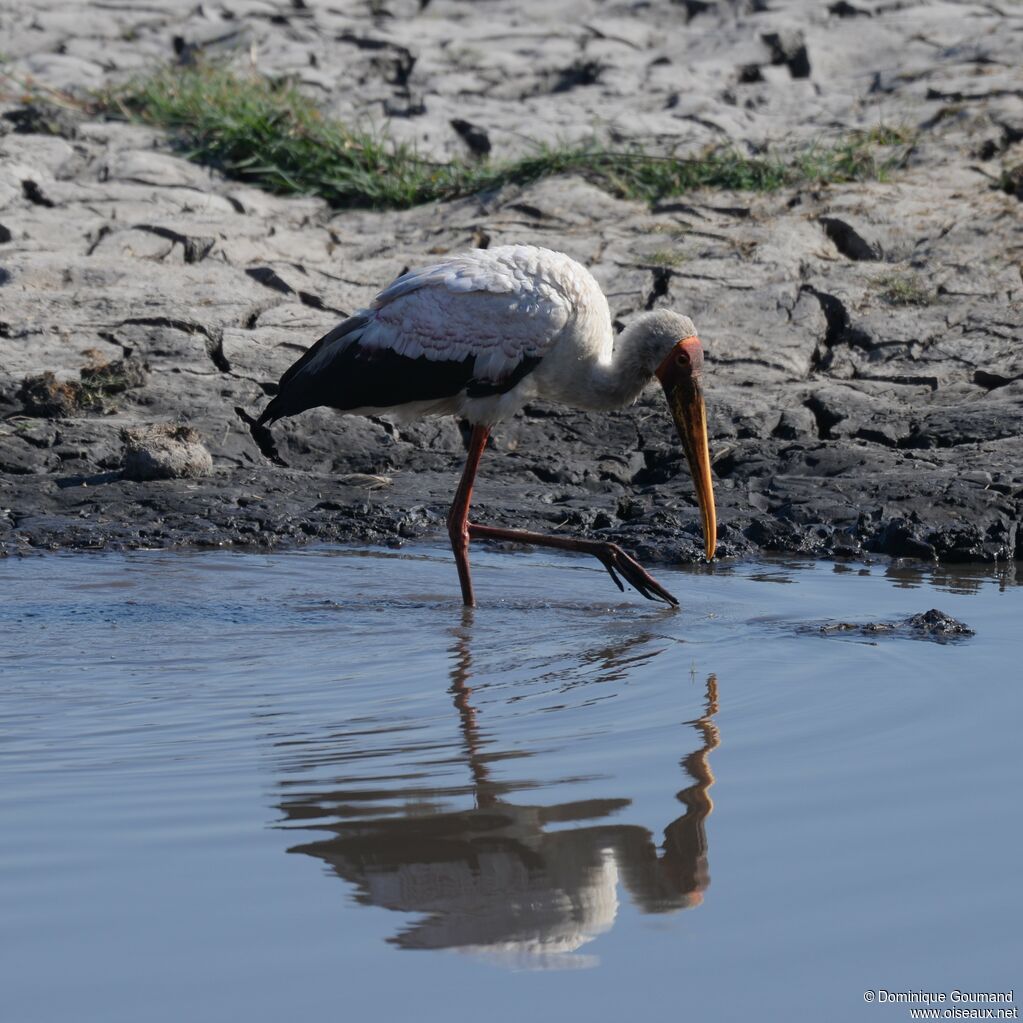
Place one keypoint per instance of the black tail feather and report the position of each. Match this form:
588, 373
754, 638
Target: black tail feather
291, 397
273, 412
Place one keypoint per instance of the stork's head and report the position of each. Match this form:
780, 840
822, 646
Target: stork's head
677, 356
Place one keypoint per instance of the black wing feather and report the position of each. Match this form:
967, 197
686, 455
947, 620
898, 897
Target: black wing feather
379, 378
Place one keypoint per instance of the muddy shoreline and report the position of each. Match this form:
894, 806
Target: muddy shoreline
864, 340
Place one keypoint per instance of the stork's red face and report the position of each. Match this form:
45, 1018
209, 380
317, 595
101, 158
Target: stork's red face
680, 374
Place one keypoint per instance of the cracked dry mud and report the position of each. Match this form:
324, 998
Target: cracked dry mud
865, 377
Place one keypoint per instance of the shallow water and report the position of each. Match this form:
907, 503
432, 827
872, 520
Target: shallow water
251, 787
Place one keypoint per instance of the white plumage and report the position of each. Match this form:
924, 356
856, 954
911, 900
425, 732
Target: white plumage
496, 307
481, 333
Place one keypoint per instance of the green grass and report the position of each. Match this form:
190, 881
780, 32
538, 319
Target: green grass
1011, 181
903, 289
862, 156
271, 135
666, 258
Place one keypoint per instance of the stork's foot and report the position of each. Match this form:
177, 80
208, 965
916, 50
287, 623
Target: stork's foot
610, 555
616, 561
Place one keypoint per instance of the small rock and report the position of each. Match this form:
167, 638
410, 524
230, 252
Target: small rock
796, 423
165, 452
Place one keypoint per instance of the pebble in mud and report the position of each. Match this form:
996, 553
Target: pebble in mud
165, 453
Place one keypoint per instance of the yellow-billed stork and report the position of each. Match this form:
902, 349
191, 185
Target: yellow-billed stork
480, 334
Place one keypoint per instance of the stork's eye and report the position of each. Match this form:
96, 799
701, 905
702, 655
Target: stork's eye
682, 359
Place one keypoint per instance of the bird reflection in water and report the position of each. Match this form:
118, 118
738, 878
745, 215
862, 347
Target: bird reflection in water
492, 880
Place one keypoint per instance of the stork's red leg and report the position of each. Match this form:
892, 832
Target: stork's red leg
458, 517
610, 555
461, 531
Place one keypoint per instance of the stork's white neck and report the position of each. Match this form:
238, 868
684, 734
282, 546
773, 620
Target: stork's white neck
635, 355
